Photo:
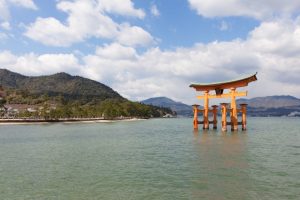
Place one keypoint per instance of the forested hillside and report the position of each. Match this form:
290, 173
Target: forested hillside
62, 95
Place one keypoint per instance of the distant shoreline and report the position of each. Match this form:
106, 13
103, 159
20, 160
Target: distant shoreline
65, 120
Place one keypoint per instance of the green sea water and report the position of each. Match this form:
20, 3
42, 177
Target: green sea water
150, 159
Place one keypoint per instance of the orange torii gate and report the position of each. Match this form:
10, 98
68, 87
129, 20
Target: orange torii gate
219, 89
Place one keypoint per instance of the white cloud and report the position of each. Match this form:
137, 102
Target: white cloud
154, 11
24, 3
85, 20
4, 11
168, 73
116, 51
258, 9
51, 32
272, 49
34, 64
6, 59
5, 4
134, 36
3, 36
281, 37
5, 25
224, 26
125, 8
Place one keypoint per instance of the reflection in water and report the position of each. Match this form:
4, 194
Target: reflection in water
223, 161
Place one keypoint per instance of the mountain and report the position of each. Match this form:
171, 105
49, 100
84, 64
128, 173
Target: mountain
180, 108
259, 106
272, 106
71, 87
271, 101
65, 96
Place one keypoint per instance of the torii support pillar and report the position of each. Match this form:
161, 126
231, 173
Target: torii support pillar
224, 116
244, 118
215, 112
206, 110
233, 114
195, 122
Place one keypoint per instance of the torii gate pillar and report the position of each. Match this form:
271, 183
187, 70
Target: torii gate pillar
206, 111
233, 114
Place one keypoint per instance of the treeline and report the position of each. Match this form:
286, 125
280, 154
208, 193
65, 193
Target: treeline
55, 107
108, 109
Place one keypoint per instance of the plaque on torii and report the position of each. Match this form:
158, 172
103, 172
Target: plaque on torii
219, 89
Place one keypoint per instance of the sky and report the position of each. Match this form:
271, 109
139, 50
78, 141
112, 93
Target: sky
151, 48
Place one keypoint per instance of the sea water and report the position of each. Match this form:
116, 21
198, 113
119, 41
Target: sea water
150, 159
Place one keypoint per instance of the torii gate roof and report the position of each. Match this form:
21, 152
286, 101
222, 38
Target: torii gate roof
240, 82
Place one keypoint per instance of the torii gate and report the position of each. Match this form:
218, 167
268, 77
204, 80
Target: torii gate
219, 89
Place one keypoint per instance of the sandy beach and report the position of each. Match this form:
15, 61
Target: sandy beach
64, 120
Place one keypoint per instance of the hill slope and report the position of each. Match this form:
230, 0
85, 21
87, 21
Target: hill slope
272, 106
260, 106
180, 108
271, 101
62, 95
73, 87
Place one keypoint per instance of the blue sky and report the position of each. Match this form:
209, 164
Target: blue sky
153, 48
